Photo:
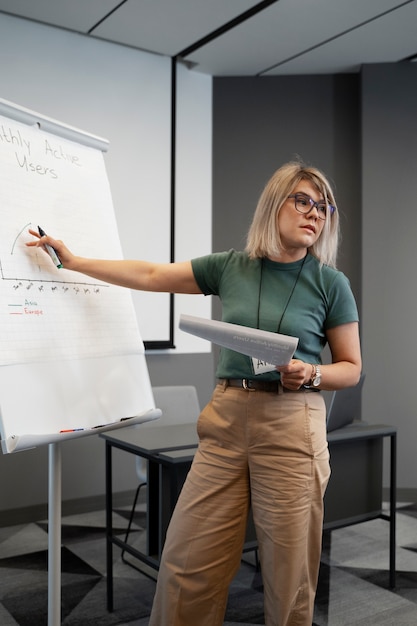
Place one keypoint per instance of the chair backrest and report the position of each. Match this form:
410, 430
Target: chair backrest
179, 404
345, 406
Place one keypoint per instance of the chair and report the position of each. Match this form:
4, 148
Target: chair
179, 404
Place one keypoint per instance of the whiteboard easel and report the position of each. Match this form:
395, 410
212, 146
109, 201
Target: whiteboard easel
62, 389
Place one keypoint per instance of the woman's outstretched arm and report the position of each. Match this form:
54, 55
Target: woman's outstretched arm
134, 274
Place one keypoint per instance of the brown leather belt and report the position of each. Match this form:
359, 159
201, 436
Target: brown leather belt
249, 384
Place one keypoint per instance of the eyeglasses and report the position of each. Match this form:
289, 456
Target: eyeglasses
304, 204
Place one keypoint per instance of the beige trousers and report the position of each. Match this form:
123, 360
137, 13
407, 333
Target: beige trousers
267, 450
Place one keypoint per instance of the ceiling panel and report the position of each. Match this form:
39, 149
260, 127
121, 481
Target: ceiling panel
286, 37
167, 27
283, 30
78, 15
374, 42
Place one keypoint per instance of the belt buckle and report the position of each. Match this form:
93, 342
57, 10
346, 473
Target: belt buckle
246, 386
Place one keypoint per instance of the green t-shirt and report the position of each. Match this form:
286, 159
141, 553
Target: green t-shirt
300, 299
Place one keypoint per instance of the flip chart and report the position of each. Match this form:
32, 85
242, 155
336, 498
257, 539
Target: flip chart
71, 354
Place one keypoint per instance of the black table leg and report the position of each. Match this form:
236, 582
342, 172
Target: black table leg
393, 509
109, 526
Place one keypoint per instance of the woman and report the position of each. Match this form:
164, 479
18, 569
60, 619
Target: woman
263, 434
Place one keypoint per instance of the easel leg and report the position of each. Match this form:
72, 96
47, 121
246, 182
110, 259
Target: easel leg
54, 535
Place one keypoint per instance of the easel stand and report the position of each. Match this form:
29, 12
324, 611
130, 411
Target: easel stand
116, 380
54, 534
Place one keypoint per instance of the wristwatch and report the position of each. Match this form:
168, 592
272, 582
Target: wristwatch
316, 377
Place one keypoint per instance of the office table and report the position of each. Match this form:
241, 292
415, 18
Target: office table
169, 451
354, 493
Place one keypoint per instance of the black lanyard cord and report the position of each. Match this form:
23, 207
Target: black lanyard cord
288, 299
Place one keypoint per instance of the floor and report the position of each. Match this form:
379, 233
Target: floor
353, 588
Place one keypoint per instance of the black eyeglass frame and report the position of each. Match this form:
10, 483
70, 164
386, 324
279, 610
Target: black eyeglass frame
313, 204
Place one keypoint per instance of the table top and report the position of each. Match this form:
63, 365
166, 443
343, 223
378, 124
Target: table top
360, 430
148, 441
154, 439
185, 455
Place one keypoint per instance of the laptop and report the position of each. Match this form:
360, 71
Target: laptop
344, 406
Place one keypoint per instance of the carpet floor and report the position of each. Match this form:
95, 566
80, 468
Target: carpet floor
353, 589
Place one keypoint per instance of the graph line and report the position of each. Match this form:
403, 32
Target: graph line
18, 235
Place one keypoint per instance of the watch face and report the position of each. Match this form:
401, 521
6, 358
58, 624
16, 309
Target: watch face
317, 381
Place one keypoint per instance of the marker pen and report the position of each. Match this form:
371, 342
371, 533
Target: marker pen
50, 250
71, 430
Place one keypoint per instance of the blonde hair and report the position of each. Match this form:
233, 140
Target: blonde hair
263, 236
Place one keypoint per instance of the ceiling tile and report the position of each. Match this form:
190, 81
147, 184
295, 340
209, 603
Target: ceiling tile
78, 15
168, 27
283, 30
287, 37
372, 43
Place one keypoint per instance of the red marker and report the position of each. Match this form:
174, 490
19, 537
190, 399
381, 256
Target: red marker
71, 430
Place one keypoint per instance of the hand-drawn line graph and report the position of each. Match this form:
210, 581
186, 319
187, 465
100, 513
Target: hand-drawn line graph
49, 314
24, 278
25, 227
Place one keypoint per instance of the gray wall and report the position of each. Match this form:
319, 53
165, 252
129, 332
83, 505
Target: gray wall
24, 475
98, 87
362, 131
389, 156
261, 123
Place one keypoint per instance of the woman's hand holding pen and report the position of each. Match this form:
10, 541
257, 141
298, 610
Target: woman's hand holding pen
67, 259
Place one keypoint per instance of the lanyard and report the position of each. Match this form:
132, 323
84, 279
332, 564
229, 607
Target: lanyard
288, 299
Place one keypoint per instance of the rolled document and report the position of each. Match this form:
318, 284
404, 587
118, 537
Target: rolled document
266, 346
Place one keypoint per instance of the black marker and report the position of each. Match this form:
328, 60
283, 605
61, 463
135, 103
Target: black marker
50, 250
